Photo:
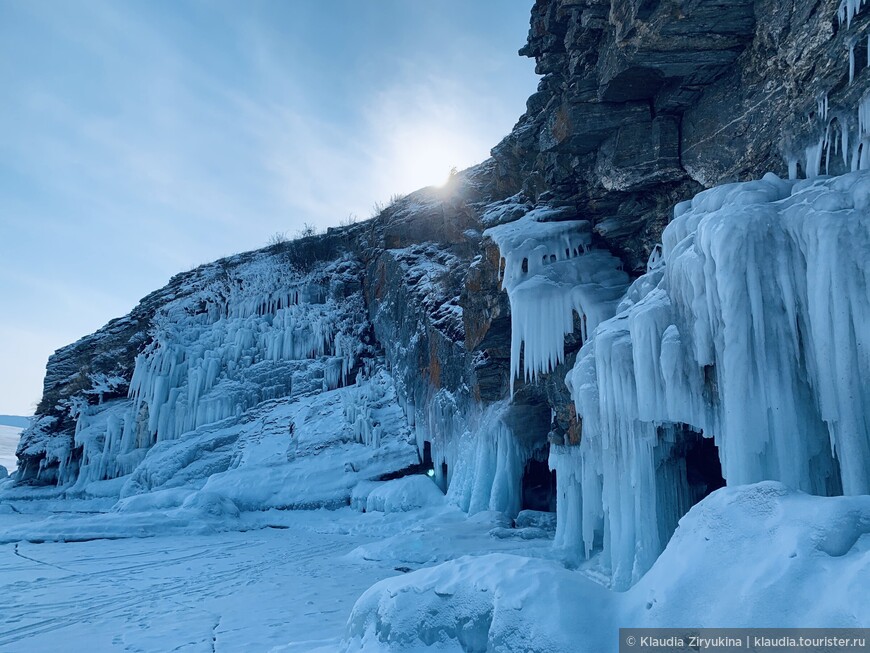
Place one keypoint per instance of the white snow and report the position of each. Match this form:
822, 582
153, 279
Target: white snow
404, 494
811, 571
754, 332
298, 581
199, 578
288, 588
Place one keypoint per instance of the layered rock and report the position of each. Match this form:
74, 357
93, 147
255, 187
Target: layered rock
644, 102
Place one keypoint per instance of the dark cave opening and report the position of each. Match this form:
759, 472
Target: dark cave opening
538, 486
703, 469
689, 472
427, 455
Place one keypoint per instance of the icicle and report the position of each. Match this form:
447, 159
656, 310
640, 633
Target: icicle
851, 45
549, 275
750, 335
489, 465
822, 107
814, 158
844, 142
827, 149
847, 10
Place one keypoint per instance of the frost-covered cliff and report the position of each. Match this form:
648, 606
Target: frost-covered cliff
727, 347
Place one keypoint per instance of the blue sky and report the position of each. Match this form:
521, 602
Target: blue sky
139, 139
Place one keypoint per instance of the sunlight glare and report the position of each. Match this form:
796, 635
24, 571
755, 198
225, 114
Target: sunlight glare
424, 156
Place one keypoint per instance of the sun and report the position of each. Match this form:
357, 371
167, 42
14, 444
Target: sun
425, 156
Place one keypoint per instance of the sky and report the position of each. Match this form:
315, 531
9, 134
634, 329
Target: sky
139, 139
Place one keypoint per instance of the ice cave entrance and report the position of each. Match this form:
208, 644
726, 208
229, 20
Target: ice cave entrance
442, 480
427, 455
539, 486
703, 467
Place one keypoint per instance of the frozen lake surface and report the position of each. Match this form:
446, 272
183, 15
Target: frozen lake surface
9, 436
289, 587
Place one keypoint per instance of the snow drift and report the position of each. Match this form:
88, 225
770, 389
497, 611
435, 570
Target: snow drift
810, 573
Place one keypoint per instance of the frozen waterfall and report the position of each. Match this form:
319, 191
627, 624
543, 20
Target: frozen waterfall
753, 329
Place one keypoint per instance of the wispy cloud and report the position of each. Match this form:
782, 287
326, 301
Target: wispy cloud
140, 139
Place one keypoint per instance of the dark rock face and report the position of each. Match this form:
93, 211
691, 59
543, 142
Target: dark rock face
644, 102
641, 104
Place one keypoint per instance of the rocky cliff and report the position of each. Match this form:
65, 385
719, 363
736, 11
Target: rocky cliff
641, 104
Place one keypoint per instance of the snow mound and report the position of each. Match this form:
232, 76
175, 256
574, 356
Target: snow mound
802, 561
496, 602
404, 494
211, 504
206, 503
157, 500
811, 572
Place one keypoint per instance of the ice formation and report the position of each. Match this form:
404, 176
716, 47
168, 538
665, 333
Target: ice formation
259, 332
550, 273
848, 135
753, 330
848, 9
402, 494
492, 457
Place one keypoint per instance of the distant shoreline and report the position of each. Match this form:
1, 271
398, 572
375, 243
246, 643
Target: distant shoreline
15, 420
9, 436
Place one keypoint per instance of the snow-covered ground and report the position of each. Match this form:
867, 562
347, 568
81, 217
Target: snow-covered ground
426, 578
9, 436
288, 584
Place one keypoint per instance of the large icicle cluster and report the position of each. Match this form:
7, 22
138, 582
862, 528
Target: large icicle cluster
489, 466
753, 329
362, 404
838, 133
550, 273
842, 136
259, 332
848, 9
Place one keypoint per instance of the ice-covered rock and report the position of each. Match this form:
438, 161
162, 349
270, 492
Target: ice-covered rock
536, 519
550, 273
496, 602
404, 494
236, 338
751, 330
